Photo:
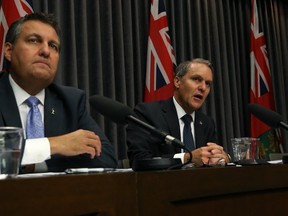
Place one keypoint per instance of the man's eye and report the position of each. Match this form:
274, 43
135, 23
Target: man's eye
196, 79
54, 46
32, 40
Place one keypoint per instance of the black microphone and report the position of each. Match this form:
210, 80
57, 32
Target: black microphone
268, 116
122, 114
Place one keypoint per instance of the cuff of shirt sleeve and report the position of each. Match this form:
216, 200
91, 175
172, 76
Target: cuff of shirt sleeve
180, 155
36, 151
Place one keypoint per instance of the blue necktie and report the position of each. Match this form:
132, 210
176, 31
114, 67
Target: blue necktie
187, 133
34, 125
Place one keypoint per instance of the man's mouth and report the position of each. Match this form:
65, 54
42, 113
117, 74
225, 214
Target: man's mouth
199, 96
43, 63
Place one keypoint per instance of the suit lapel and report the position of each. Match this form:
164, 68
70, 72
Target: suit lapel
170, 114
9, 112
199, 130
52, 113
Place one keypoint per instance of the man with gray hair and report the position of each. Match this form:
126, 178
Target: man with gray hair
179, 116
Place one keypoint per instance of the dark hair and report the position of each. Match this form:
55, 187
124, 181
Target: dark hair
15, 28
184, 67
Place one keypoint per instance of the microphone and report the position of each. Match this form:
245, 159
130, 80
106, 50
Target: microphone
268, 116
122, 114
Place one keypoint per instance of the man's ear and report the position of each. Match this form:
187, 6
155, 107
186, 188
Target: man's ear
8, 51
176, 81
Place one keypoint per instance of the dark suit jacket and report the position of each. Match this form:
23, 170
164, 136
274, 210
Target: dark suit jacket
162, 115
64, 112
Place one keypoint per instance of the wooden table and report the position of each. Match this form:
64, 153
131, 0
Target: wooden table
249, 190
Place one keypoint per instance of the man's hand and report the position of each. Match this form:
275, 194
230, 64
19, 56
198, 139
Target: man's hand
76, 143
210, 155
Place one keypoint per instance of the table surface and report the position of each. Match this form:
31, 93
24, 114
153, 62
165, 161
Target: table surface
197, 190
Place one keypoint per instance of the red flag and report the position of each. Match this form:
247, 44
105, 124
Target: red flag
160, 56
261, 85
9, 12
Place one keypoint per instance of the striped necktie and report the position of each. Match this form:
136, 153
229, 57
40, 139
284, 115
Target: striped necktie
34, 125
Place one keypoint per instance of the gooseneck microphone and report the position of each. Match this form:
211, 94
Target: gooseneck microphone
268, 116
122, 114
165, 136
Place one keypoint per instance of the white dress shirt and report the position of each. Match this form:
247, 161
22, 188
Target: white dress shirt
36, 150
180, 113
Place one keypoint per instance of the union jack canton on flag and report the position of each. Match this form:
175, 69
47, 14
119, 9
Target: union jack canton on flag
160, 56
10, 11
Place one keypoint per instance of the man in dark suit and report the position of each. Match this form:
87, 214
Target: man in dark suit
192, 84
71, 137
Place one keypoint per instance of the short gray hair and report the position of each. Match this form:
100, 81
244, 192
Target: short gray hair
184, 67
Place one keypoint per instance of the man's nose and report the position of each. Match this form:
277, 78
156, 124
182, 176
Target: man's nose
44, 50
203, 85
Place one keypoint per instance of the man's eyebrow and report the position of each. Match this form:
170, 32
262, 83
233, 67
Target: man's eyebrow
39, 36
33, 34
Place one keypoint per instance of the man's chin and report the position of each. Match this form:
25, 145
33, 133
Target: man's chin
43, 79
197, 105
43, 74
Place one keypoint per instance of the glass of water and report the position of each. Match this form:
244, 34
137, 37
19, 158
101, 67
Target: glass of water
245, 148
11, 142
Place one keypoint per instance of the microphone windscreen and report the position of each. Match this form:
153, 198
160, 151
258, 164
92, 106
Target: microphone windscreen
268, 116
114, 110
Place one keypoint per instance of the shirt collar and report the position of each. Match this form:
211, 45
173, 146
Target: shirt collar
180, 111
21, 95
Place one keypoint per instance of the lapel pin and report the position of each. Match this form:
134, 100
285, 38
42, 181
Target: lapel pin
52, 111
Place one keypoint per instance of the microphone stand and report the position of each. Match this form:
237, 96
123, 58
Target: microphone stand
283, 125
162, 163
